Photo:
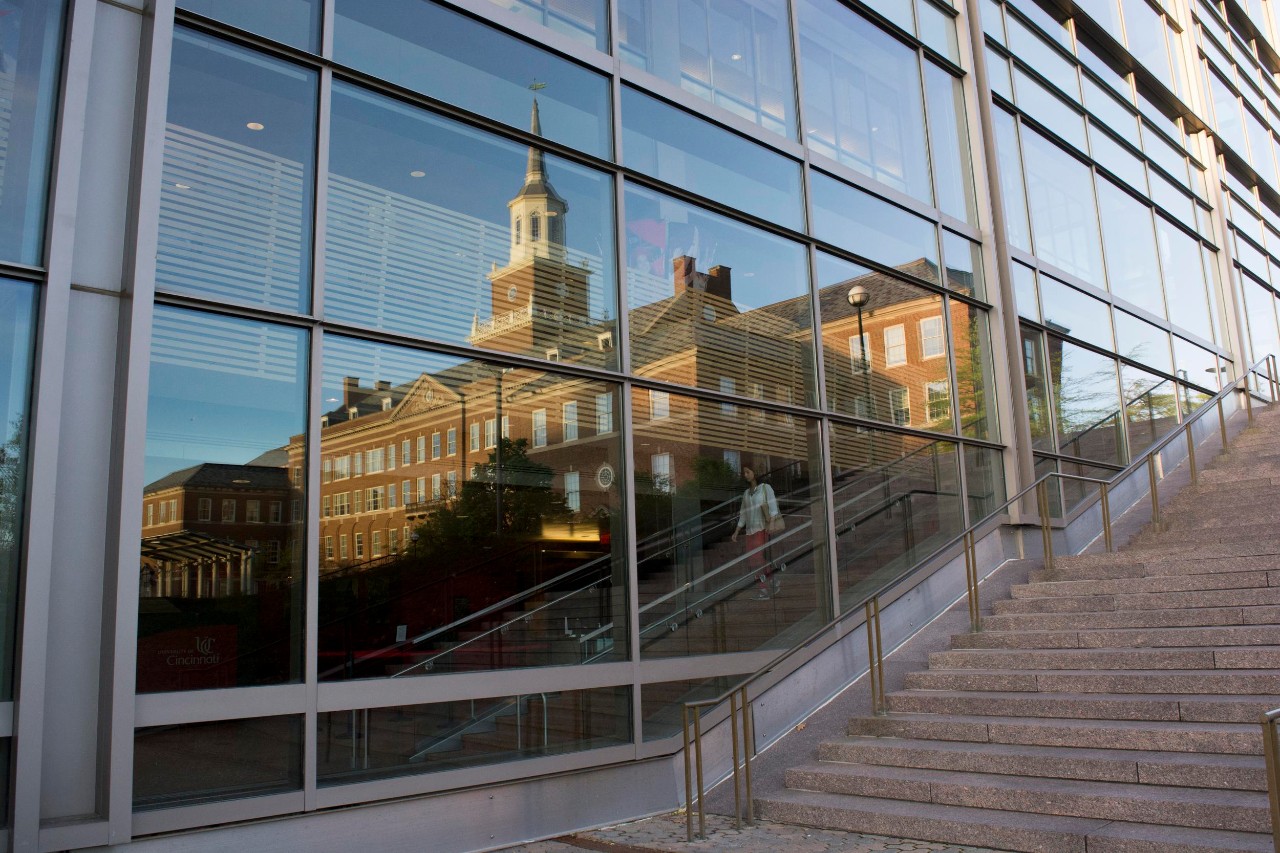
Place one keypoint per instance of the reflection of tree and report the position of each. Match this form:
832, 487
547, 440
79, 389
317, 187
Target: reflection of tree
11, 487
471, 520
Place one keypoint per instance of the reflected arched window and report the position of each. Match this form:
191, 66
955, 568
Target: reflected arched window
535, 227
519, 220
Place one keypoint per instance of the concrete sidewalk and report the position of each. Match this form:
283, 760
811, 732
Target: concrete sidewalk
666, 834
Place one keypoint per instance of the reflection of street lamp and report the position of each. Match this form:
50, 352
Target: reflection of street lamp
858, 297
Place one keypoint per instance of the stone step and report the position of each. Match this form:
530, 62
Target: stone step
1251, 597
1204, 808
1144, 735
1240, 682
1153, 638
1189, 617
1213, 517
1243, 528
1013, 831
1231, 772
1245, 579
1108, 658
1177, 560
1084, 706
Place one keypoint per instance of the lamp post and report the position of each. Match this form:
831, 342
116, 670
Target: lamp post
858, 298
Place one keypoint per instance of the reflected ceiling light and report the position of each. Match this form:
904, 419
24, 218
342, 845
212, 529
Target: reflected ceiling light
417, 173
735, 56
240, 482
182, 186
255, 125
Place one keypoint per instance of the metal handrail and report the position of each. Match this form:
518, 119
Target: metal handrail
870, 604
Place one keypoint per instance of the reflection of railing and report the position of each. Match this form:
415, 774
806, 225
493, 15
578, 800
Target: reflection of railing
738, 696
1118, 416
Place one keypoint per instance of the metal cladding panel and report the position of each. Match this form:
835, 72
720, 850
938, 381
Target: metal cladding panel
458, 822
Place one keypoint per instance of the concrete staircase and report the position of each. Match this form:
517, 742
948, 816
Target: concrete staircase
1110, 706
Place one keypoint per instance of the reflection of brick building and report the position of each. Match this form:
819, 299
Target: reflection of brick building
215, 530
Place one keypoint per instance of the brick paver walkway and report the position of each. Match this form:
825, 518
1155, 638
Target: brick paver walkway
666, 834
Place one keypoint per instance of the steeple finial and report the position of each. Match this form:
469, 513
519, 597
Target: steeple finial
536, 168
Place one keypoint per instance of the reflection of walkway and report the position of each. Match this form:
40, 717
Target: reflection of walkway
667, 833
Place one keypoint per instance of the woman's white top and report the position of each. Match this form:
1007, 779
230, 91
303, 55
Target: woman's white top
758, 506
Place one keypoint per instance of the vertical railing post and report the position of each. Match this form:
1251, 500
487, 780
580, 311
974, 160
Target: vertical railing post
733, 736
1269, 746
688, 774
1155, 494
875, 657
1191, 453
1248, 399
1271, 377
697, 763
971, 581
1046, 532
1222, 426
1105, 495
748, 746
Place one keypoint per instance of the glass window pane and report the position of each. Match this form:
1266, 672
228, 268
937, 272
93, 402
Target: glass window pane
1024, 290
881, 335
938, 30
222, 594
1142, 342
714, 577
1133, 266
1011, 187
733, 53
425, 47
949, 144
1036, 370
294, 22
236, 198
1117, 159
1049, 109
1088, 405
984, 481
714, 299
1261, 316
206, 762
30, 54
382, 743
1146, 29
897, 498
675, 147
1028, 46
1184, 279
896, 11
1226, 108
501, 531
999, 74
874, 228
1150, 407
1063, 217
975, 379
862, 97
511, 248
1118, 117
662, 703
964, 265
1070, 312
17, 339
586, 22
1196, 364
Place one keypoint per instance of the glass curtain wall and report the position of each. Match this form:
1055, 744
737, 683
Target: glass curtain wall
405, 397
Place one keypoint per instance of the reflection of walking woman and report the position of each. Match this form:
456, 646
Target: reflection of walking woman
758, 513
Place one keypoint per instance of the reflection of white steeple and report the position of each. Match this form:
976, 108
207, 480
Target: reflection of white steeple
537, 211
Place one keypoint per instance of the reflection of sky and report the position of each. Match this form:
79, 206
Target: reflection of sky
222, 390
17, 315
462, 61
862, 223
295, 22
459, 206
672, 145
765, 268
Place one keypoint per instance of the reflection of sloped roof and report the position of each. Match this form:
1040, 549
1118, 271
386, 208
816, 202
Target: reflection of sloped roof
187, 546
215, 475
275, 458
